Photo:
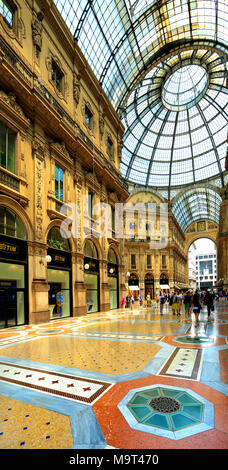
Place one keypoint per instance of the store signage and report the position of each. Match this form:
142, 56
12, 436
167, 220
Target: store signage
6, 247
59, 258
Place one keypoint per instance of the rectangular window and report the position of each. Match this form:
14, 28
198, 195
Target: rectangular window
56, 75
7, 148
110, 147
113, 219
90, 204
133, 261
164, 261
59, 175
149, 264
7, 11
88, 117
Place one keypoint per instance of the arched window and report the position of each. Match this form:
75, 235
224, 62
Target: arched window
112, 258
11, 224
55, 240
90, 250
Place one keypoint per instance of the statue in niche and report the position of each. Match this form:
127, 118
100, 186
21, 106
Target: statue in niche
37, 29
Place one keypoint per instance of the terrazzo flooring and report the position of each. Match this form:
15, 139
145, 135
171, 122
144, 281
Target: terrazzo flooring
67, 384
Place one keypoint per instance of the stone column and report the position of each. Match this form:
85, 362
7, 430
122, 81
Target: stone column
222, 267
38, 250
104, 287
79, 306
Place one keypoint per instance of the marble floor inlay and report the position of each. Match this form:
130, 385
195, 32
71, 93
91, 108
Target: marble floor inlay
183, 363
74, 388
102, 380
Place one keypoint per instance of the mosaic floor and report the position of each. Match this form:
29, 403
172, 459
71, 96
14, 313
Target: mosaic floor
116, 380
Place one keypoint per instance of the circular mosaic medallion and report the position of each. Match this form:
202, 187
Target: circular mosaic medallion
167, 411
195, 339
50, 331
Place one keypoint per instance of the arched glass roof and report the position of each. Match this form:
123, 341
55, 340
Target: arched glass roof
163, 65
196, 204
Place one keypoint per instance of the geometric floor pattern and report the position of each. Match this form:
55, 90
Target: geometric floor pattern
167, 411
120, 379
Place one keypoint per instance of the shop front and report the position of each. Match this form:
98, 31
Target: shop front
149, 286
113, 279
13, 270
164, 283
91, 277
133, 286
59, 275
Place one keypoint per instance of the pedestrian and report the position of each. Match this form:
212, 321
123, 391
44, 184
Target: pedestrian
174, 304
148, 300
197, 306
187, 303
178, 303
162, 302
208, 301
123, 302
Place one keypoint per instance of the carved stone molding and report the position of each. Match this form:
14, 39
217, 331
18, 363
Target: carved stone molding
37, 29
93, 182
101, 123
76, 87
60, 152
10, 107
38, 155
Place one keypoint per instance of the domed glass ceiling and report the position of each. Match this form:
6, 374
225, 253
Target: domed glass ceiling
185, 87
163, 66
176, 122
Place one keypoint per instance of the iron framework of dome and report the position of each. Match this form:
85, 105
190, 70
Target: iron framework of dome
163, 65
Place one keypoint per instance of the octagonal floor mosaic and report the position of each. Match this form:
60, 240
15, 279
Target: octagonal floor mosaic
167, 411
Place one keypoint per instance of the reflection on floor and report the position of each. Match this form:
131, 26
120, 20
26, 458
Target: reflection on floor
120, 379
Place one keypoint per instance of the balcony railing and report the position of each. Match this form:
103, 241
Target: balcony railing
9, 180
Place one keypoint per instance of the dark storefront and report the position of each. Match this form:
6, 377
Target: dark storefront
59, 275
13, 282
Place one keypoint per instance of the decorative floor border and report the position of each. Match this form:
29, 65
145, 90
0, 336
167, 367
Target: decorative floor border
183, 363
66, 386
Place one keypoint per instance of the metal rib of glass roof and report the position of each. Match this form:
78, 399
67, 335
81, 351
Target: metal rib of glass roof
139, 49
196, 204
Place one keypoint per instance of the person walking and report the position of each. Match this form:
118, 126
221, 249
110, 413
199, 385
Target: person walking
187, 303
196, 306
162, 302
208, 301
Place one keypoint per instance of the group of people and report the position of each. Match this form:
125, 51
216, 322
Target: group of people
193, 302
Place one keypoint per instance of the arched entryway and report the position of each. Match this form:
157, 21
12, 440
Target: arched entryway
149, 285
202, 264
59, 275
91, 277
13, 269
113, 278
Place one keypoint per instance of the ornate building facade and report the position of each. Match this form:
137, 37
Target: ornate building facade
60, 144
156, 262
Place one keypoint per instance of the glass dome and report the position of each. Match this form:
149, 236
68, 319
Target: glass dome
162, 65
184, 88
176, 122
